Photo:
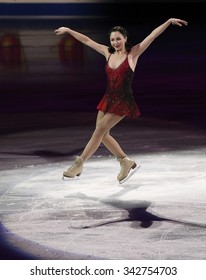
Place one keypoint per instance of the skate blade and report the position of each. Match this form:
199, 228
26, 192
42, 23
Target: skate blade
65, 178
131, 172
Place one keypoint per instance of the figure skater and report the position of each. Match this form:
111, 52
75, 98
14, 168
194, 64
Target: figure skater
118, 101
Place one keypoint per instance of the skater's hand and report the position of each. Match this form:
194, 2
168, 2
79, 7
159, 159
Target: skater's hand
61, 30
179, 22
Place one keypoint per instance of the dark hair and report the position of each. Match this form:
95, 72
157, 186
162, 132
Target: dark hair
124, 32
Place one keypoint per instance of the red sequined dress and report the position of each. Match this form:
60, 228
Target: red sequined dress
118, 98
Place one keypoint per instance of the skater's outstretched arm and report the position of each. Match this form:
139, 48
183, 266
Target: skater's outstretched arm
102, 49
138, 49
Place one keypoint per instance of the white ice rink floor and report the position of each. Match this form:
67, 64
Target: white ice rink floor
159, 213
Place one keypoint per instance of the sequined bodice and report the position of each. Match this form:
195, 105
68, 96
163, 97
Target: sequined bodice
119, 80
118, 98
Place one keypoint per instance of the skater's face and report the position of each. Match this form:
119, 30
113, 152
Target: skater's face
117, 40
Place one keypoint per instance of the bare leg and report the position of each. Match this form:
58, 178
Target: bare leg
128, 166
109, 142
104, 124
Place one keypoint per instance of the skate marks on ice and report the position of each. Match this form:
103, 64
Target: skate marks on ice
141, 231
95, 216
131, 211
14, 247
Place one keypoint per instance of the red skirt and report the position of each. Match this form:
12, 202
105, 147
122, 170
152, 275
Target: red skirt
120, 108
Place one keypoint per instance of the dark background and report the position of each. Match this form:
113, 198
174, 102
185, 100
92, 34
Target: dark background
169, 80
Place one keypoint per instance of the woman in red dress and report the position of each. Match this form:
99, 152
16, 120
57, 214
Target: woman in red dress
118, 101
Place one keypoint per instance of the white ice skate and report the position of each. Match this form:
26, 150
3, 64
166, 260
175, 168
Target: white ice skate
128, 168
75, 170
